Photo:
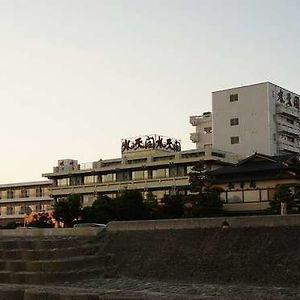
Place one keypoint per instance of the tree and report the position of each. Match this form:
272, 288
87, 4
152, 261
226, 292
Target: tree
102, 210
152, 208
172, 206
206, 199
130, 206
199, 178
208, 204
284, 194
67, 210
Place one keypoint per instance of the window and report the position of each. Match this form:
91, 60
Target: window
235, 140
38, 207
234, 97
251, 196
9, 210
24, 193
234, 121
290, 121
290, 139
139, 175
76, 180
89, 179
124, 175
207, 130
160, 173
10, 194
190, 155
39, 191
63, 182
235, 197
109, 177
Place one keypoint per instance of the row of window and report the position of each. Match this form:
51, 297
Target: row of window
126, 175
23, 193
24, 209
248, 196
289, 139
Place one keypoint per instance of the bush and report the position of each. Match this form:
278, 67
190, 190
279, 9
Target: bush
41, 220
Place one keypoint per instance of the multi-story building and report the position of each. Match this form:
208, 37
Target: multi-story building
148, 164
18, 200
203, 135
262, 118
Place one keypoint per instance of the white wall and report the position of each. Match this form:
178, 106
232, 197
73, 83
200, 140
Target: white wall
255, 120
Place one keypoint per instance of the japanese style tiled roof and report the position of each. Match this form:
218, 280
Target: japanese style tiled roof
262, 166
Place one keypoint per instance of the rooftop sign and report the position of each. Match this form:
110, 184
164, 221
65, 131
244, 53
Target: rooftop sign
151, 142
287, 98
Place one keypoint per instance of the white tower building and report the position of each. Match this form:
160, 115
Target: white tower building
261, 118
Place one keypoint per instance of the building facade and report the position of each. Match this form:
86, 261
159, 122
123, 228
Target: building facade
250, 185
203, 130
159, 170
262, 118
18, 200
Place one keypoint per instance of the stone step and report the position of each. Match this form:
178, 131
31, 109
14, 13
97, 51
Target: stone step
44, 243
57, 265
50, 277
51, 253
23, 292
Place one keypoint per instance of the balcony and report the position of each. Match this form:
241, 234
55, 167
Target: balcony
203, 138
288, 128
197, 120
286, 110
195, 137
116, 186
288, 146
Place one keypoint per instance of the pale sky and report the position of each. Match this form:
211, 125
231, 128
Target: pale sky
77, 76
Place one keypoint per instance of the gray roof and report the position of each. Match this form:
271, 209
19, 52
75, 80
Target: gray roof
29, 183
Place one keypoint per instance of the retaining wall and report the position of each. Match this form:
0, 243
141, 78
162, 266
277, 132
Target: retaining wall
47, 232
234, 222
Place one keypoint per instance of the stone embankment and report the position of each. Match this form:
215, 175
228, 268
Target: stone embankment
47, 260
196, 262
259, 256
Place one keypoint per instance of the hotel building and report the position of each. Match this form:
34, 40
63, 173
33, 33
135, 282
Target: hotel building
18, 200
262, 118
148, 164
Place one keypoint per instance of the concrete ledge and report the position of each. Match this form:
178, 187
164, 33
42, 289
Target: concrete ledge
58, 293
234, 222
48, 232
11, 293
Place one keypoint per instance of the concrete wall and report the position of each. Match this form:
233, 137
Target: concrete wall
234, 222
252, 110
47, 232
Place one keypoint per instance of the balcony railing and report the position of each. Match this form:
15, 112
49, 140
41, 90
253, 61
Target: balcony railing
195, 137
289, 146
286, 110
286, 127
196, 120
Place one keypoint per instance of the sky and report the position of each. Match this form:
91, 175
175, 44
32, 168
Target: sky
77, 76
